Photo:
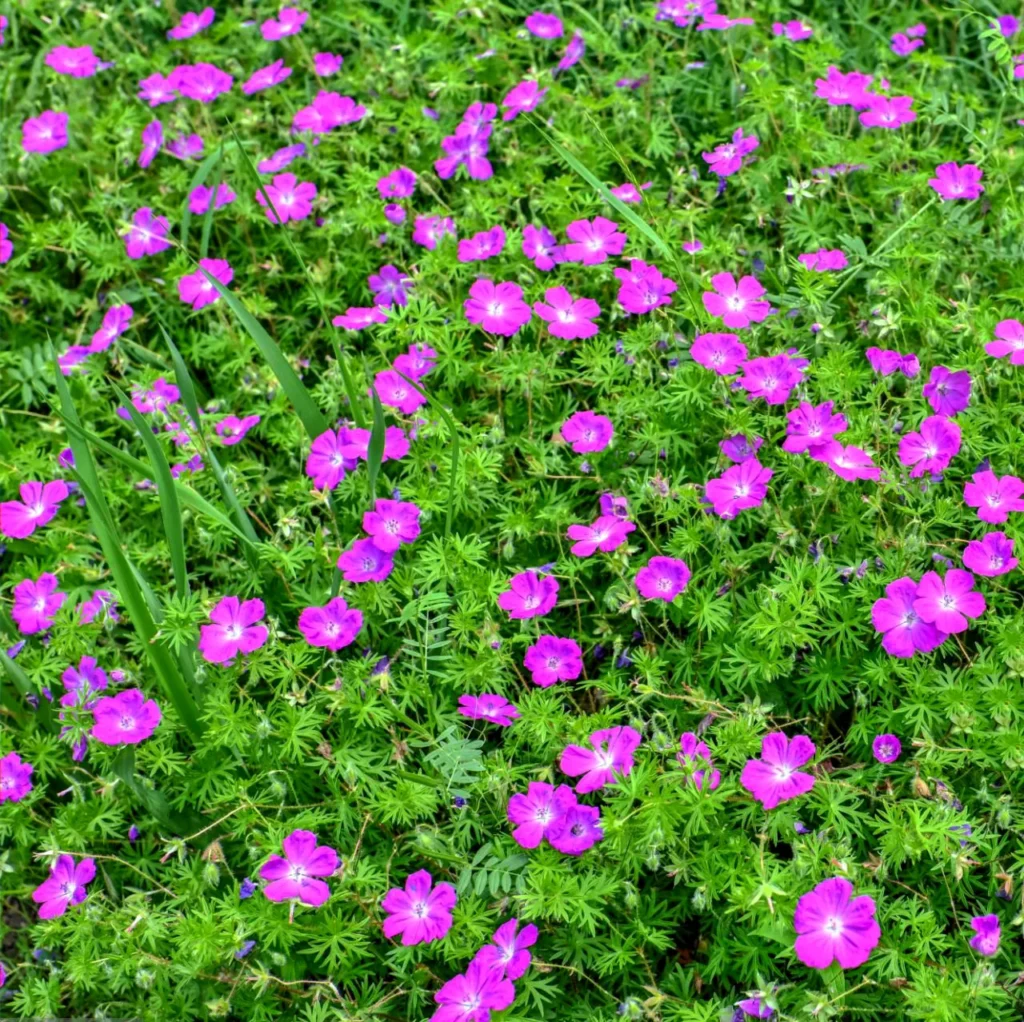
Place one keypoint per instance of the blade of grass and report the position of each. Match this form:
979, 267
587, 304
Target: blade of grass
375, 448
198, 178
23, 684
204, 240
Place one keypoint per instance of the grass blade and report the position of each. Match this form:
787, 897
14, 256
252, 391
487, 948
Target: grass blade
198, 178
24, 685
204, 240
375, 449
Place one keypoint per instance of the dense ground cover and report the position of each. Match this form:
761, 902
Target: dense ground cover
675, 640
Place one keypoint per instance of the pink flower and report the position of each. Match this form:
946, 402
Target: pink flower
36, 603
567, 317
1010, 341
721, 353
573, 55
719, 23
392, 523
288, 22
592, 241
429, 230
953, 182
417, 362
199, 198
196, 290
232, 429
948, 393
479, 115
192, 24
886, 748
333, 626
422, 912
294, 877
497, 308
152, 140
544, 26
612, 754
932, 449
399, 184
15, 776
948, 603
467, 147
692, 247
6, 247
774, 778
576, 831
629, 192
45, 133
587, 432
994, 496
186, 147
38, 505
552, 659
894, 616
528, 595
366, 562
738, 305
327, 64
888, 362
396, 392
886, 112
986, 935
156, 398
394, 213
289, 198
328, 111
281, 158
833, 926
483, 245
643, 288
824, 259
125, 719
903, 45
693, 752
663, 578
684, 13
771, 377
727, 158
812, 426
235, 629
156, 90
739, 487
792, 30
541, 246
472, 996
202, 82
65, 886
844, 89
991, 555
538, 811
360, 318
608, 533
508, 956
77, 61
493, 708
390, 287
521, 99
101, 603
147, 235
738, 448
266, 77
848, 463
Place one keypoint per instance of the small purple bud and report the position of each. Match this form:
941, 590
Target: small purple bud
246, 889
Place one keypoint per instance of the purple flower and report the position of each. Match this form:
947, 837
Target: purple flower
494, 709
812, 426
990, 556
396, 393
684, 13
281, 158
65, 886
794, 31
429, 230
587, 432
421, 912
738, 488
948, 603
192, 24
643, 288
196, 290
365, 562
497, 308
99, 603
232, 429
573, 52
738, 305
81, 683
848, 462
905, 631
536, 812
577, 830
607, 534
528, 595
544, 26
286, 198
287, 23
38, 505
199, 198
156, 90
695, 753
15, 778
327, 64
903, 45
508, 956
152, 140
266, 77
551, 659
833, 926
1010, 341
693, 247
986, 935
886, 112
157, 398
467, 147
953, 182
472, 996
36, 603
483, 245
844, 89
721, 353
76, 61
931, 449
774, 778
772, 377
246, 889
592, 241
186, 147
541, 246
417, 362
235, 628
994, 496
522, 99
612, 754
147, 235
663, 578
727, 158
824, 259
947, 392
389, 286
294, 877
328, 111
392, 523
333, 626
125, 719
888, 362
567, 317
360, 318
201, 82
886, 748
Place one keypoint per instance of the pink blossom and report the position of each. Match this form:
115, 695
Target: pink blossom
192, 24
903, 45
986, 935
538, 811
295, 877
774, 778
399, 184
888, 112
727, 158
663, 578
125, 719
421, 912
508, 956
643, 288
36, 602
76, 61
6, 247
389, 287
155, 398
202, 82
629, 192
38, 505
65, 886
156, 90
990, 556
833, 926
468, 147
994, 496
522, 99
577, 830
931, 449
844, 89
235, 628
397, 393
45, 133
544, 26
573, 52
720, 22
948, 603
567, 317
721, 353
552, 659
185, 147
738, 448
392, 523
232, 429
812, 426
608, 533
692, 247
287, 23
286, 198
472, 995
330, 457
947, 392
592, 241
147, 235
417, 362
365, 562
587, 432
483, 245
738, 305
824, 259
494, 709
152, 140
394, 213
1009, 341
15, 782
196, 290
888, 362
792, 30
327, 64
333, 626
953, 182
429, 230
266, 77
886, 748
612, 754
100, 605
693, 752
541, 246
497, 308
849, 463
328, 111
360, 318
739, 487
199, 198
772, 377
281, 158
529, 595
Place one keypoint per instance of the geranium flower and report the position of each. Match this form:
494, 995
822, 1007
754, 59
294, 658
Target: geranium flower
6, 246
360, 318
991, 555
947, 392
328, 111
295, 876
1007, 24
38, 505
287, 23
986, 935
327, 64
684, 13
607, 533
738, 448
628, 192
232, 429
888, 362
536, 812
235, 628
472, 996
824, 260
721, 353
643, 288
792, 30
693, 247
392, 523
202, 82
541, 246
551, 659
695, 753
833, 926
592, 241
483, 245
36, 602
720, 22
101, 603
905, 631
366, 562
521, 99
156, 90
429, 230
417, 362
421, 912
467, 147
1010, 341
281, 158
147, 235
739, 487
994, 496
125, 719
612, 754
333, 626
663, 578
390, 287
152, 141
497, 308
738, 305
45, 133
156, 398
266, 77
886, 748
544, 26
399, 184
774, 778
508, 956
287, 198
844, 89
199, 198
76, 61
529, 595
65, 886
587, 432
849, 463
81, 683
330, 457
186, 147
395, 392
573, 52
953, 182
493, 708
727, 158
886, 112
568, 318
15, 782
948, 603
772, 377
196, 290
931, 449
192, 24
812, 426
577, 830
903, 45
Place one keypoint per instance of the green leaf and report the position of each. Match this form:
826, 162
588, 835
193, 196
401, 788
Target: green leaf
23, 684
180, 823
375, 449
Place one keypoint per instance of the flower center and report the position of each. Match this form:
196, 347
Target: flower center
833, 927
126, 723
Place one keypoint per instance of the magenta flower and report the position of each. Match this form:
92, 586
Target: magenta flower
521, 99
76, 61
157, 398
693, 247
886, 112
903, 45
727, 158
232, 429
824, 259
931, 449
101, 603
422, 912
38, 505
986, 935
792, 30
849, 463
528, 595
196, 290
396, 393
45, 133
493, 708
738, 305
812, 426
508, 956
202, 82
695, 753
608, 533
721, 353
147, 235
573, 54
587, 432
479, 115
1010, 341
888, 362
6, 246
365, 562
65, 886
551, 659
328, 111
281, 158
544, 26
535, 813
327, 64
333, 626
833, 926
394, 213
266, 77
152, 140
567, 317
643, 288
36, 602
739, 487
467, 147
739, 448
905, 632
994, 496
417, 362
663, 578
429, 230
612, 754
392, 523
628, 192
775, 777
199, 198
720, 22
360, 318
577, 830
953, 182
497, 308
592, 241
886, 748
235, 629
541, 246
399, 184
1007, 24
684, 13
156, 90
186, 147
125, 719
389, 286
947, 392
844, 89
15, 776
483, 245
754, 1007
192, 24
772, 377
289, 198
948, 603
991, 555
472, 996
294, 877
287, 23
